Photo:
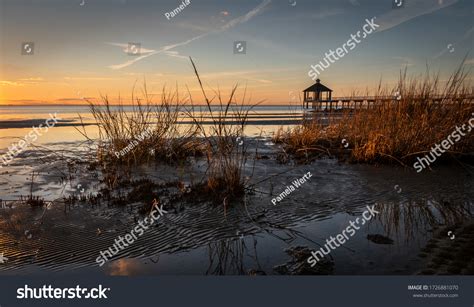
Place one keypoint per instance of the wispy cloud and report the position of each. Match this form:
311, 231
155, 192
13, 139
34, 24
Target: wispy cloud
465, 36
21, 101
90, 78
164, 49
411, 9
10, 83
250, 74
34, 79
405, 61
126, 46
245, 17
321, 13
167, 49
469, 62
327, 13
21, 81
74, 99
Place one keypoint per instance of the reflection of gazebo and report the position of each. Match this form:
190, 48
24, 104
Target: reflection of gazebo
314, 93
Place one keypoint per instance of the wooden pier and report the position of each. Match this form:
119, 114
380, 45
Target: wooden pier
314, 95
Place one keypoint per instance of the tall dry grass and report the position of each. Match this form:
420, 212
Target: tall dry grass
217, 134
154, 128
226, 151
398, 130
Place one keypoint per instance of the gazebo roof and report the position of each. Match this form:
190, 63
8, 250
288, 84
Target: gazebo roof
318, 87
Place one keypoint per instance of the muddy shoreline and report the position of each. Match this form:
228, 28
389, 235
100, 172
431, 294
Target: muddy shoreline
251, 237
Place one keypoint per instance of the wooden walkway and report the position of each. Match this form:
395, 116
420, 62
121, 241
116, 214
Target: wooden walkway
368, 102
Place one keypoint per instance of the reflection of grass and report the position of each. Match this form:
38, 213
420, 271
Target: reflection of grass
226, 257
425, 215
395, 131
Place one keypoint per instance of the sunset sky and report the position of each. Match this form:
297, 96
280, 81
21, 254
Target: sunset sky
79, 50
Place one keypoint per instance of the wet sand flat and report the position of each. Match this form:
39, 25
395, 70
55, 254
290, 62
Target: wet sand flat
196, 239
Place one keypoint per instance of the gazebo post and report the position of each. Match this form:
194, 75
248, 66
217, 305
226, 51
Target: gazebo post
317, 97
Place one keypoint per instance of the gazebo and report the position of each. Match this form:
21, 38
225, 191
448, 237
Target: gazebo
314, 93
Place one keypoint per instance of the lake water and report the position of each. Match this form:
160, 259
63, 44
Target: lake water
17, 121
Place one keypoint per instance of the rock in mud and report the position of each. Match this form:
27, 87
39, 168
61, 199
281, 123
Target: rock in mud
379, 239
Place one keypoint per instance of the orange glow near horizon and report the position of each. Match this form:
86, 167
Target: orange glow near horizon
76, 91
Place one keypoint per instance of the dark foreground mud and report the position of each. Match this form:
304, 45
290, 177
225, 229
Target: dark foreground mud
250, 236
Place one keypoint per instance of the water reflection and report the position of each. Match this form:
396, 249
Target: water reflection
227, 256
423, 216
124, 267
412, 222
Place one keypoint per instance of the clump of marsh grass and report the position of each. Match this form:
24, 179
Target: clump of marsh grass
145, 131
398, 130
226, 152
304, 142
33, 201
160, 132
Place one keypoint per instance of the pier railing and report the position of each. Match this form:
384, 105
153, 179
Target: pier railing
365, 102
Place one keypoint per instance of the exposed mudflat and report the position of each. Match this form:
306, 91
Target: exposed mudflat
250, 236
